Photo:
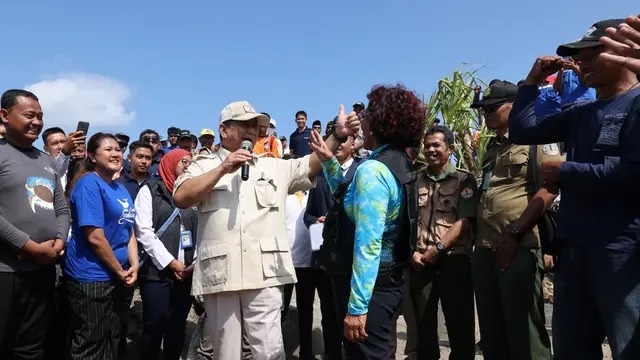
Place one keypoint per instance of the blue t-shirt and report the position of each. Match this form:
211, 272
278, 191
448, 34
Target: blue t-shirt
299, 143
573, 90
548, 101
96, 203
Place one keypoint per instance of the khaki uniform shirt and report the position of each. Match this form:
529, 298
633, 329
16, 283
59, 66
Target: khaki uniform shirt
443, 200
242, 235
507, 187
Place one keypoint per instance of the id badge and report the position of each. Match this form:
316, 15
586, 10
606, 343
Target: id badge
185, 239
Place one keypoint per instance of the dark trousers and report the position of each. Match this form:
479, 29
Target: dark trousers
25, 313
383, 306
165, 307
310, 279
58, 333
510, 306
287, 293
597, 294
96, 312
124, 328
449, 281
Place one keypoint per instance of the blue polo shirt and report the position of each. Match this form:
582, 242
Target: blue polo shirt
548, 101
299, 142
574, 91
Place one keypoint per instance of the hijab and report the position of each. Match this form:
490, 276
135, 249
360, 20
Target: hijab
167, 168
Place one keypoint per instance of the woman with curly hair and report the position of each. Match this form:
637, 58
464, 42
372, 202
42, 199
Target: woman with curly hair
371, 230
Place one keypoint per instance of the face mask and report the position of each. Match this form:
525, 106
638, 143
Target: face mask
270, 131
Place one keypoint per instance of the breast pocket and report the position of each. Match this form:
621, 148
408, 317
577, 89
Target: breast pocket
423, 197
513, 165
219, 198
276, 259
266, 193
446, 200
213, 262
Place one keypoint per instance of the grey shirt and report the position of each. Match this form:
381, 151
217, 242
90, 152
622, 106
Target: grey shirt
32, 204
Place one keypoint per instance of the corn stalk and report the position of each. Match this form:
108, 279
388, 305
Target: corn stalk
451, 103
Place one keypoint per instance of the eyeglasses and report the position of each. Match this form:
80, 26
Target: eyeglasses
150, 139
185, 162
317, 128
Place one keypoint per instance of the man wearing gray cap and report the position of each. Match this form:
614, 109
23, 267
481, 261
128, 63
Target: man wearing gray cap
243, 258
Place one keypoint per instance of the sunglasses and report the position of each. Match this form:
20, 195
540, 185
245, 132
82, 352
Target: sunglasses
493, 107
150, 139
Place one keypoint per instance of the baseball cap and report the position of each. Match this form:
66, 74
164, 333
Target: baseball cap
282, 138
272, 122
184, 133
497, 92
207, 132
590, 39
359, 104
242, 111
173, 130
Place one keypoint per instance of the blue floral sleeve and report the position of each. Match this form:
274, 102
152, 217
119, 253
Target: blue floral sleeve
333, 173
372, 189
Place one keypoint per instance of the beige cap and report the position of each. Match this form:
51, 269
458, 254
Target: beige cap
242, 111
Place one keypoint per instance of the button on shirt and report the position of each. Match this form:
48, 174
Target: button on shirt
242, 234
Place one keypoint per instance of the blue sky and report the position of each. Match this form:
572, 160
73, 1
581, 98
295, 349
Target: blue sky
130, 65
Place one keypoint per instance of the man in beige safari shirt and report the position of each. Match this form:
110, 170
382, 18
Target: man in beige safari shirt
243, 257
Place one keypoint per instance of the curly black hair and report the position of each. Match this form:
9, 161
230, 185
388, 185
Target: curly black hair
396, 116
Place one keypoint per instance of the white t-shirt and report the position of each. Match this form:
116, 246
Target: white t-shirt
299, 240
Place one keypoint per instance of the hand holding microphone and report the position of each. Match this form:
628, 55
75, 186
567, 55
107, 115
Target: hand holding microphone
248, 146
238, 159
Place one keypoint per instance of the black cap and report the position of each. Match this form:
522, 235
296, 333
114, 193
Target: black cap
122, 137
173, 130
193, 138
316, 123
359, 104
498, 92
590, 39
282, 138
184, 133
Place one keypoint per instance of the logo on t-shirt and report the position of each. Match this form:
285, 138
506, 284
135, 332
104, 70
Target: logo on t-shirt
40, 192
128, 213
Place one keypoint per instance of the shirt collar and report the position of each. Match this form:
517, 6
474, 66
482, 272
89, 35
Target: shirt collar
449, 170
347, 164
377, 151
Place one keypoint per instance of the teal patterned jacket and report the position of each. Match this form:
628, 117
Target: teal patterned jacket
373, 201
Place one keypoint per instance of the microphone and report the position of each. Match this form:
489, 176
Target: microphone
246, 145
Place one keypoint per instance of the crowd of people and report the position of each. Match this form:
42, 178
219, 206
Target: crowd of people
231, 227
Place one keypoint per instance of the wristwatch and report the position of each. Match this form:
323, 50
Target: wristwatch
340, 139
514, 229
439, 246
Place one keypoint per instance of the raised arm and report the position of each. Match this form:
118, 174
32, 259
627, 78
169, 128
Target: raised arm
195, 183
524, 126
619, 176
346, 125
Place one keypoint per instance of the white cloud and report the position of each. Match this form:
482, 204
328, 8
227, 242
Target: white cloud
69, 98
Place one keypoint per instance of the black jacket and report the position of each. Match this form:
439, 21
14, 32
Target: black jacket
162, 207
